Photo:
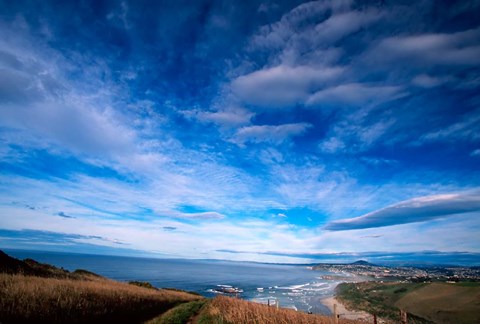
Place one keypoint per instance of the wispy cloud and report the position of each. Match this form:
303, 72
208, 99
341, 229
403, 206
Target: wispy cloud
427, 81
467, 129
460, 48
230, 117
282, 86
274, 134
56, 237
355, 94
201, 215
411, 211
424, 257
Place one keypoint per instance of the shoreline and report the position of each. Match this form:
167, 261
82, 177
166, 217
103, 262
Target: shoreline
343, 311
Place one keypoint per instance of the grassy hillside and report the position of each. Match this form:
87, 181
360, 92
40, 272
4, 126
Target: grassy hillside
40, 293
444, 302
36, 299
425, 302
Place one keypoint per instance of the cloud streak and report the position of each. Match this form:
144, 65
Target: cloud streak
274, 134
412, 211
282, 86
392, 257
459, 48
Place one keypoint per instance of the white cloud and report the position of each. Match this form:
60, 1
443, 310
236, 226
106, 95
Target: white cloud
39, 100
419, 209
301, 53
74, 125
355, 94
281, 86
275, 134
297, 24
332, 145
305, 35
460, 48
466, 129
201, 215
342, 24
232, 117
427, 81
354, 134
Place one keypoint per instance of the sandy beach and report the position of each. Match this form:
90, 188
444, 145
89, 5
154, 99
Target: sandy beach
344, 312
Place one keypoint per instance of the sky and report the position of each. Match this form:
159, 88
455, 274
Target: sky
272, 131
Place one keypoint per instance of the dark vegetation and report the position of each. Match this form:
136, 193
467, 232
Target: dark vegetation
143, 284
30, 267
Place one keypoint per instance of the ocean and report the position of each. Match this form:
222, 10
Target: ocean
294, 286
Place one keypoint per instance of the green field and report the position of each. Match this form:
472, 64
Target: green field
425, 302
444, 303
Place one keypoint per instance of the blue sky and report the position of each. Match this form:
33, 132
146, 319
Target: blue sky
281, 131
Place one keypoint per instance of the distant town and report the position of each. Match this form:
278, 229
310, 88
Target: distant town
363, 270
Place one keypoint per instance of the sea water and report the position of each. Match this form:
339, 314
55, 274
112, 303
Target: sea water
293, 286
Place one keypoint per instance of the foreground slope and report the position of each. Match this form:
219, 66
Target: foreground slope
444, 302
424, 302
57, 296
231, 310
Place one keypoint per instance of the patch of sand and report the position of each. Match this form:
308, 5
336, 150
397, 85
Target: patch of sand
344, 312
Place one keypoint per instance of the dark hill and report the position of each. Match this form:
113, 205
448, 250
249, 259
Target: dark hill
363, 262
31, 267
13, 266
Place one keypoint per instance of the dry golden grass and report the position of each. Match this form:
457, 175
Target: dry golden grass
230, 310
42, 300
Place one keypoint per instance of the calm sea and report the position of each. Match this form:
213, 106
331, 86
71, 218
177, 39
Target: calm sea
293, 286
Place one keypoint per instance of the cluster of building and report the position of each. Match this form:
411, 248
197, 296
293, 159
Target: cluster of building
366, 271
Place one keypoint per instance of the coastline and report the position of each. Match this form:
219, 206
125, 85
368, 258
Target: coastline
343, 311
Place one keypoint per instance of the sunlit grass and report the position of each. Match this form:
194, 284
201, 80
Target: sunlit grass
35, 299
231, 310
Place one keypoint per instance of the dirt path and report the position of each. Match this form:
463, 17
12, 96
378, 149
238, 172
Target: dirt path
346, 313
